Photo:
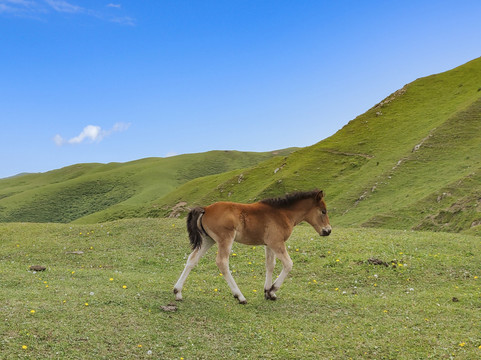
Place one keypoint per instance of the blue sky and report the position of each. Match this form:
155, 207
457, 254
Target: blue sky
103, 81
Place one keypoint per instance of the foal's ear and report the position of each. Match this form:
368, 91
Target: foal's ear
320, 195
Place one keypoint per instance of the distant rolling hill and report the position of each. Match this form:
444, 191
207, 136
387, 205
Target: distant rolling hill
413, 161
102, 192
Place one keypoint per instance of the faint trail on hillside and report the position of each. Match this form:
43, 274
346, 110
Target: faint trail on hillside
336, 152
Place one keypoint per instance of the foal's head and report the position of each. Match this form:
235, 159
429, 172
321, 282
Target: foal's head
317, 216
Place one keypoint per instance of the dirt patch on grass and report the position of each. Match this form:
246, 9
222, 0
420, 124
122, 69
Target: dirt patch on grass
171, 307
178, 209
376, 261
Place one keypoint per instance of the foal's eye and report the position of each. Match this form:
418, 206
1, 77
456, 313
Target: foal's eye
324, 212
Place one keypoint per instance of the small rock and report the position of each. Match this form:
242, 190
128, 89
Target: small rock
455, 299
38, 268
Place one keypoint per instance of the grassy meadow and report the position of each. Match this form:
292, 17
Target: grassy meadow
106, 302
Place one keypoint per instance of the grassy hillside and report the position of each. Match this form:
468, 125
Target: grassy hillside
110, 191
412, 161
106, 303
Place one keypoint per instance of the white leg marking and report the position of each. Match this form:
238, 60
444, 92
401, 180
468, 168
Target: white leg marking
284, 257
270, 264
192, 261
222, 262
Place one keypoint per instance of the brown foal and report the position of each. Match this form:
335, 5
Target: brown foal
268, 222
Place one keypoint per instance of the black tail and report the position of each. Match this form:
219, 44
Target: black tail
195, 231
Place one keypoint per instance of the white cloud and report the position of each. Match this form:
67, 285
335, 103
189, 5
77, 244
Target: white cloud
17, 6
124, 20
91, 133
59, 140
39, 8
120, 126
63, 6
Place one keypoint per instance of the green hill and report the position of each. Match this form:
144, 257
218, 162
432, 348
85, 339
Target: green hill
410, 162
101, 192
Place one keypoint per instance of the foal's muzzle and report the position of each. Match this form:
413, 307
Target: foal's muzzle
326, 231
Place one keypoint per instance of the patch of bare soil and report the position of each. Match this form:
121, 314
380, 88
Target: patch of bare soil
376, 261
171, 307
178, 209
38, 268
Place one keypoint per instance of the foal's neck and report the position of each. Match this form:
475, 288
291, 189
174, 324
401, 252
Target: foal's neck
298, 211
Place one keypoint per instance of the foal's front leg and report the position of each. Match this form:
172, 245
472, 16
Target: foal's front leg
270, 264
222, 262
283, 256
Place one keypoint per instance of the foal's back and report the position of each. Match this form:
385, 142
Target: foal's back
250, 224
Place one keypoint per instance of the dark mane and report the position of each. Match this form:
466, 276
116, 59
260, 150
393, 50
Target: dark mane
289, 199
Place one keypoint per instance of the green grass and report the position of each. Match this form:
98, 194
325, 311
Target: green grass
334, 304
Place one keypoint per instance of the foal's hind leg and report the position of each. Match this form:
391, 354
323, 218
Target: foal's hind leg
192, 261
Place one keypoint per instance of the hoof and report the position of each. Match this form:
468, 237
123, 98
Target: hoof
270, 296
243, 302
178, 295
